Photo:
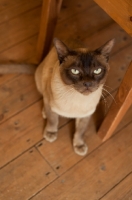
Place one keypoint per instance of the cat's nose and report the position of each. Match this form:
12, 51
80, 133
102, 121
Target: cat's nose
87, 84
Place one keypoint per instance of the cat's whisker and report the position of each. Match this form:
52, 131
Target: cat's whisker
105, 101
110, 94
106, 95
108, 87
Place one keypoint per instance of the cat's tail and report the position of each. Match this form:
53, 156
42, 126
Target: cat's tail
12, 68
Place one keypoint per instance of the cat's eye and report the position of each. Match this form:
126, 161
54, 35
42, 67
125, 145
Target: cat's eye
97, 71
75, 71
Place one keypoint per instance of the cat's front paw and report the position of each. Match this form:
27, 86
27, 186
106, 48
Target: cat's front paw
50, 136
81, 150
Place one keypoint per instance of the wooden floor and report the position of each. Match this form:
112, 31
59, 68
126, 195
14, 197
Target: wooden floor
30, 167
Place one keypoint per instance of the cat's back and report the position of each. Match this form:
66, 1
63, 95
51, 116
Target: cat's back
44, 70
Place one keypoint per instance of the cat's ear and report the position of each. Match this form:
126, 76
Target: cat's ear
106, 49
61, 48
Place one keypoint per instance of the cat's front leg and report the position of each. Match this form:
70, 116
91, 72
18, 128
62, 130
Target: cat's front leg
51, 129
79, 145
43, 113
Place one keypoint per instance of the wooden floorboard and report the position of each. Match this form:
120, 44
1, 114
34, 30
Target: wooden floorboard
21, 52
60, 154
80, 23
123, 191
71, 8
6, 78
118, 65
122, 39
96, 174
30, 167
21, 132
14, 8
16, 95
18, 30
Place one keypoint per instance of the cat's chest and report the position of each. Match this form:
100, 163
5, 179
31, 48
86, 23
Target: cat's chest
74, 104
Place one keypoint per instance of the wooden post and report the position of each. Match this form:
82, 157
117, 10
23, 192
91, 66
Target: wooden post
50, 11
117, 110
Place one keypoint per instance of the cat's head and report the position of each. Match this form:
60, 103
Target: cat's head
84, 70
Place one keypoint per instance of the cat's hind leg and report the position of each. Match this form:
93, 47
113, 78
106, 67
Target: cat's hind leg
79, 145
51, 129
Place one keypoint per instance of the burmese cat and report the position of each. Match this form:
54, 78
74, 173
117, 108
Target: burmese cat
71, 83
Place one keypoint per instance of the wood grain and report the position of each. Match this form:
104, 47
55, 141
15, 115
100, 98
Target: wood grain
118, 66
30, 167
4, 79
116, 112
49, 15
21, 132
22, 52
122, 39
103, 109
120, 11
17, 95
95, 175
19, 29
14, 8
71, 8
77, 25
123, 191
127, 119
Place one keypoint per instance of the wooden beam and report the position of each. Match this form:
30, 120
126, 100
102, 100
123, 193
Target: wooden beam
123, 101
50, 10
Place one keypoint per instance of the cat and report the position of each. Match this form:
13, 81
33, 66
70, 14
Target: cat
71, 83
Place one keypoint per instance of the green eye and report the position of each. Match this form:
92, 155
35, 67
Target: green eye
97, 71
75, 71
